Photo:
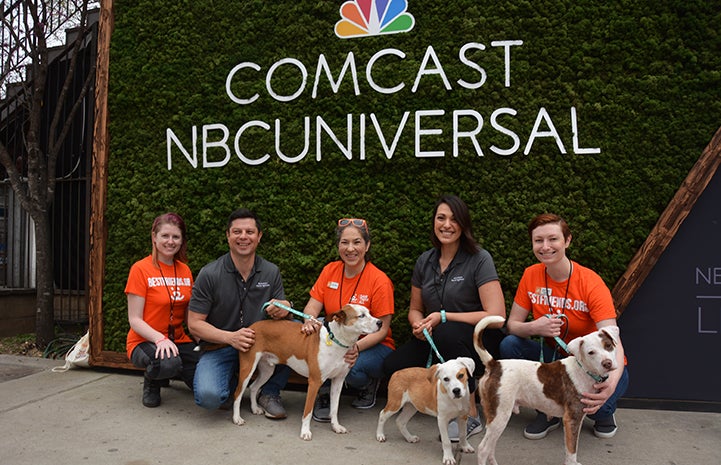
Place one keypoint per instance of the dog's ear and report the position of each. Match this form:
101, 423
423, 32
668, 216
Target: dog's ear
469, 364
574, 347
433, 373
611, 332
340, 316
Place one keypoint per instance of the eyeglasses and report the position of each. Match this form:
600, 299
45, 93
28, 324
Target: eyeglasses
358, 222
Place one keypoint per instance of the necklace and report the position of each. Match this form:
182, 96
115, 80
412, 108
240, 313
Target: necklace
565, 296
342, 278
171, 327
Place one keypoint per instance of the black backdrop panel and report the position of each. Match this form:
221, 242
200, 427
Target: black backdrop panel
671, 329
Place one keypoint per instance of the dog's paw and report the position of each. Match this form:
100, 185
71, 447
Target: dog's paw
340, 429
468, 449
381, 438
449, 460
238, 420
258, 411
306, 435
413, 439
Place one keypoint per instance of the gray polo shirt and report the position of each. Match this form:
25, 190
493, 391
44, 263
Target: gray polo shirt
231, 302
455, 290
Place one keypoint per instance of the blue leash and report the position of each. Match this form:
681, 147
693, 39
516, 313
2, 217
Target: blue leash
434, 349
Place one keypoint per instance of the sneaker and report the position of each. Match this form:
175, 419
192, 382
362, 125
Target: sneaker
453, 430
151, 392
273, 406
473, 426
321, 408
367, 396
541, 426
605, 428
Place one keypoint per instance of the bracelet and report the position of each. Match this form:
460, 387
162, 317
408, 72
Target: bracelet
160, 340
443, 316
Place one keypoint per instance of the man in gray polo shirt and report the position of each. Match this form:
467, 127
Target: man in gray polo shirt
228, 296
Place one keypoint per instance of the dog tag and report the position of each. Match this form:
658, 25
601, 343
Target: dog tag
328, 342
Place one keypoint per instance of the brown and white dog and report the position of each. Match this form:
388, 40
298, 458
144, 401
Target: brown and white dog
318, 356
553, 388
440, 391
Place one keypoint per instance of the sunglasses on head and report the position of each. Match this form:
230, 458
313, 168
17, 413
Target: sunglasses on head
361, 223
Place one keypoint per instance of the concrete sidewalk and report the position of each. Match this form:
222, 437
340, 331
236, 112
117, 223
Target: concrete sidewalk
86, 416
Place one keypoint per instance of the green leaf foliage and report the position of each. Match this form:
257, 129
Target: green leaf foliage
644, 78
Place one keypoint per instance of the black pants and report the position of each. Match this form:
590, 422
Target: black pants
182, 365
452, 339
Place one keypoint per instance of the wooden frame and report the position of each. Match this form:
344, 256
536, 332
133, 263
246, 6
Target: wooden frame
668, 223
638, 269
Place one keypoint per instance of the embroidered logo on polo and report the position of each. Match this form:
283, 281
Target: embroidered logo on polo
363, 18
262, 284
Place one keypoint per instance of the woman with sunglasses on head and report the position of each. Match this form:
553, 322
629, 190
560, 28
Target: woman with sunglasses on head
454, 285
158, 291
354, 280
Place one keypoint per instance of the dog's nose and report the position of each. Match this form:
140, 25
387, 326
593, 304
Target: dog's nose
456, 392
379, 323
607, 364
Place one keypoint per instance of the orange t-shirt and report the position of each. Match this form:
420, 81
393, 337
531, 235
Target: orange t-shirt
371, 288
157, 288
584, 299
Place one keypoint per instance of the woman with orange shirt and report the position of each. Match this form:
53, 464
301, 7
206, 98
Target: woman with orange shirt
158, 291
565, 300
354, 280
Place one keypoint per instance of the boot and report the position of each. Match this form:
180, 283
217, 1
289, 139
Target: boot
151, 392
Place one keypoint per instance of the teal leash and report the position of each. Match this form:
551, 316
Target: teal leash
293, 311
564, 347
331, 337
433, 349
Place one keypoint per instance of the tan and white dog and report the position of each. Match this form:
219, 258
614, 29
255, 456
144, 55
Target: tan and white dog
440, 391
318, 356
553, 388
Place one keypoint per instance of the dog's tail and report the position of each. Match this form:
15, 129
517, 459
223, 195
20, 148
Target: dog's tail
486, 357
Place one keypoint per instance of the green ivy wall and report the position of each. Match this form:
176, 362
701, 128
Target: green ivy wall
644, 77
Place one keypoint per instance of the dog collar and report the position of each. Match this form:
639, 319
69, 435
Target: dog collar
562, 345
597, 378
330, 338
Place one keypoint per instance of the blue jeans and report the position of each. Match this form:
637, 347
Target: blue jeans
529, 349
216, 378
369, 365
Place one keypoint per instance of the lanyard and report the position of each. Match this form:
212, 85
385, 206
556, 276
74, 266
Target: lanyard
342, 278
171, 328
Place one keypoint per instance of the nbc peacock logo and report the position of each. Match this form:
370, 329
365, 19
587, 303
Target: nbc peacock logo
363, 18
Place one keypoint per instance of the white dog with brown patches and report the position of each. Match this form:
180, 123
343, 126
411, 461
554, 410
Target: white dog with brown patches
553, 388
318, 356
440, 391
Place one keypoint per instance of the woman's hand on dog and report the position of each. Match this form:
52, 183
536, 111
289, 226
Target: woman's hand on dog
309, 327
595, 400
351, 356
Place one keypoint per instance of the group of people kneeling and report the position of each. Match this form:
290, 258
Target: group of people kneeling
454, 285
